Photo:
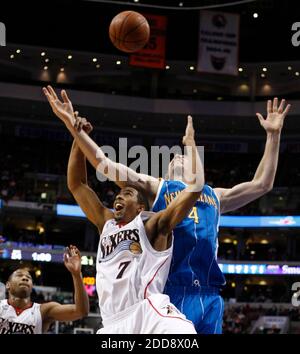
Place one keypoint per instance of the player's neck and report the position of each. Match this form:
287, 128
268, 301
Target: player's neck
19, 302
121, 223
127, 218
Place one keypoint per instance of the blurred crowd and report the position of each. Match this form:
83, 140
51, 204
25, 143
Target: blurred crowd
239, 319
38, 174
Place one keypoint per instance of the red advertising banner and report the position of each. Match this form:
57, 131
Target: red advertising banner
154, 53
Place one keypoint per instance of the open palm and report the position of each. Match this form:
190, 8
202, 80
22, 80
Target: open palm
62, 109
72, 260
276, 115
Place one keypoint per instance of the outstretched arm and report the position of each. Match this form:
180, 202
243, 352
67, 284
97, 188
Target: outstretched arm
159, 227
53, 311
193, 157
86, 198
121, 174
77, 158
263, 180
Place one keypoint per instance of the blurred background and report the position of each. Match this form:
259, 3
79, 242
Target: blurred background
146, 98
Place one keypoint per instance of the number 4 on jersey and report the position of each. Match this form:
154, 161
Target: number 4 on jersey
194, 215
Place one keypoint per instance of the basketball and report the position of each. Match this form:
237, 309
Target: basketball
129, 31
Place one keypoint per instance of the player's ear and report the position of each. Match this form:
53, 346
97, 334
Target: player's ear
7, 285
141, 208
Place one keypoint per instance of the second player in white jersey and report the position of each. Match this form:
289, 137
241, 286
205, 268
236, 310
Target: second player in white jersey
19, 315
28, 321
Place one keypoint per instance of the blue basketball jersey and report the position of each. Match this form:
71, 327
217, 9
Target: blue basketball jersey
194, 261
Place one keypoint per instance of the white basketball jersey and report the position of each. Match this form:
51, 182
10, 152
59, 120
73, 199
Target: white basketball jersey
128, 268
28, 322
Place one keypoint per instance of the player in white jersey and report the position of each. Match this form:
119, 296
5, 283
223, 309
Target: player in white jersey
19, 315
131, 275
133, 262
135, 247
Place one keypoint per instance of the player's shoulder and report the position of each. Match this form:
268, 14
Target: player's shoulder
214, 192
108, 226
218, 192
146, 215
208, 188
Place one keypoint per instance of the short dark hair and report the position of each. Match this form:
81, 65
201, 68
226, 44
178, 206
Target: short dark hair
20, 268
142, 199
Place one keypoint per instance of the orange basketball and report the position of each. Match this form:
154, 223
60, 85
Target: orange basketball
129, 31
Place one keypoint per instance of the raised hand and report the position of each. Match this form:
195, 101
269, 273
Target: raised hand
189, 136
63, 109
276, 115
72, 260
82, 123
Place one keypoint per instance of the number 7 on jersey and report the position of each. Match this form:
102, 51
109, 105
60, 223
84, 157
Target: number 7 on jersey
123, 267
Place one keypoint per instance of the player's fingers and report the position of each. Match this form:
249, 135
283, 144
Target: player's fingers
287, 109
269, 106
189, 125
76, 123
260, 117
66, 258
52, 92
89, 126
50, 99
81, 125
65, 96
67, 251
76, 250
47, 94
275, 104
45, 91
281, 107
82, 122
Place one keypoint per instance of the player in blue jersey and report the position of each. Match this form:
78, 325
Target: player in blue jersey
195, 278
